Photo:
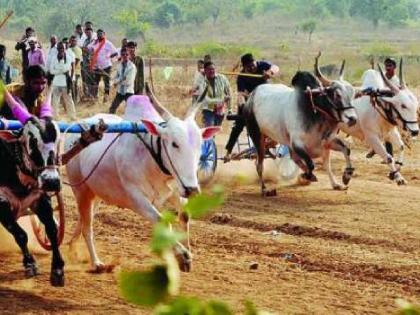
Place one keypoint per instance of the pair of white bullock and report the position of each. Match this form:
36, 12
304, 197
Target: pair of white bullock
138, 170
380, 108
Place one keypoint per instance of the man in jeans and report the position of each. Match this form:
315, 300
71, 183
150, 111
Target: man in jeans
60, 68
216, 90
124, 80
103, 51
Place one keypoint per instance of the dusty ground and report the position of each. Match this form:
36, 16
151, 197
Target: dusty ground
348, 252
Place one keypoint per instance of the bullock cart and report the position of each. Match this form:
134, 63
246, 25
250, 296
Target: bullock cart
245, 150
6, 132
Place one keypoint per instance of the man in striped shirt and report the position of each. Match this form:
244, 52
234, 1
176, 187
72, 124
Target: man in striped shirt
216, 90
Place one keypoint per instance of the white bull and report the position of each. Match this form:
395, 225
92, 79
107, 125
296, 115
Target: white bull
381, 112
138, 170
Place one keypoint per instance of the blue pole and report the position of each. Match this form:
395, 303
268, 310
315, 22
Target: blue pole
123, 126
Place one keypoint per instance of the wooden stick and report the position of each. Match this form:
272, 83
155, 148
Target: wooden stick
151, 75
242, 74
8, 15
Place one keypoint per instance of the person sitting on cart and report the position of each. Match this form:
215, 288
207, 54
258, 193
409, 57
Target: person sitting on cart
215, 93
30, 94
259, 72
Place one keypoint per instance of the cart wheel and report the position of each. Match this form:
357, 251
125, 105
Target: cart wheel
287, 168
38, 227
208, 161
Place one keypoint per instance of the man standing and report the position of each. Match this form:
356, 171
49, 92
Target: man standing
390, 67
216, 89
60, 68
247, 84
78, 33
23, 45
88, 76
103, 51
124, 80
35, 54
77, 69
139, 63
4, 66
52, 52
198, 80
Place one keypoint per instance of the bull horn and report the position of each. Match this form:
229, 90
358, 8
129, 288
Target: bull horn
372, 62
325, 82
341, 74
166, 115
401, 75
197, 104
388, 83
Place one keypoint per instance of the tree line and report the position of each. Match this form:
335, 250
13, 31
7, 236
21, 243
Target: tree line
135, 17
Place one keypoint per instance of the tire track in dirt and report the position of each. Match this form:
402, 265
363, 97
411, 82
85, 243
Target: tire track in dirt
300, 230
408, 277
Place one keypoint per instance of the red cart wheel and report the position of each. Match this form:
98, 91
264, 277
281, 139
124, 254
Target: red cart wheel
38, 227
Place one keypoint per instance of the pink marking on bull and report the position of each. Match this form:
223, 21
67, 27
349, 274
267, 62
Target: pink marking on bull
140, 107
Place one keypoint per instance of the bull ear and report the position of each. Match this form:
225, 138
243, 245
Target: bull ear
152, 128
209, 132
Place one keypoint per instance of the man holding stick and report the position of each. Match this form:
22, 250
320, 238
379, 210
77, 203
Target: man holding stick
253, 74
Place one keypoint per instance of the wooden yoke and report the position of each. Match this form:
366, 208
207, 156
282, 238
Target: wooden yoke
88, 136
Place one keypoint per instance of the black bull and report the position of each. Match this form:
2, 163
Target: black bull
19, 190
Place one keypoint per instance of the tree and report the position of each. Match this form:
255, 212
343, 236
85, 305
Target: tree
308, 27
167, 14
132, 24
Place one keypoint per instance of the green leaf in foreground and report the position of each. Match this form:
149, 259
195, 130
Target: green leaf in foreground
201, 204
193, 306
146, 288
407, 308
164, 238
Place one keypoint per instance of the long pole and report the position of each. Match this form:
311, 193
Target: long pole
242, 74
8, 15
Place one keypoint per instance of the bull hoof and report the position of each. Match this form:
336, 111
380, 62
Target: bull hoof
31, 270
303, 181
339, 187
269, 193
401, 182
184, 261
57, 278
310, 176
102, 268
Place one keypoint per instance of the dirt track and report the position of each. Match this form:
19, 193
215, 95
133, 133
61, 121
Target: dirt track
334, 253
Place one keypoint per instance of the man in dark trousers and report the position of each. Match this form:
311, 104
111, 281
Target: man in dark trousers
23, 45
253, 74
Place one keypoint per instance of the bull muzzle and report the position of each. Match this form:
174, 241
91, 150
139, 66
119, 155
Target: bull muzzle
191, 191
351, 121
414, 133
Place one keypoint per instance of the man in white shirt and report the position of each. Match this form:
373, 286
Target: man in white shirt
103, 51
60, 68
51, 53
123, 80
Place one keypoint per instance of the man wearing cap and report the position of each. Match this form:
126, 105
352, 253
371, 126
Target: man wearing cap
101, 62
247, 84
216, 96
35, 54
139, 63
